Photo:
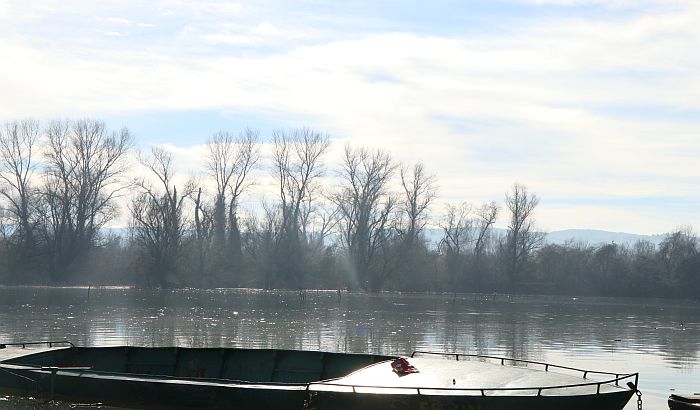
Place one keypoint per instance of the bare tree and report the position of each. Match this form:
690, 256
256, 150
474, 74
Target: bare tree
486, 216
6, 249
521, 238
203, 228
158, 223
419, 192
84, 166
320, 219
298, 167
409, 254
457, 226
466, 234
365, 209
230, 160
263, 230
677, 247
18, 142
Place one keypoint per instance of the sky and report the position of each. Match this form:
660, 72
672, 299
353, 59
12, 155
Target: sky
594, 105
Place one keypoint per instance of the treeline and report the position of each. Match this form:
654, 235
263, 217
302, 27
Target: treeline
360, 225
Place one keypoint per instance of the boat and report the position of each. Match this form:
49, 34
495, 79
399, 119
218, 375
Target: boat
684, 401
251, 379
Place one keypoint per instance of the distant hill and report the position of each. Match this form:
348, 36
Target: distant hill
589, 236
595, 237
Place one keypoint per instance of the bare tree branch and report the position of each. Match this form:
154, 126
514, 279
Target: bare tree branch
157, 218
521, 238
365, 208
84, 166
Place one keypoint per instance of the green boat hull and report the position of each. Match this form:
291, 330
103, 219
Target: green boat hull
174, 378
239, 379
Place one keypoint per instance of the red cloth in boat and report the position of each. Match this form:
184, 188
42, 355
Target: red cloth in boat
401, 366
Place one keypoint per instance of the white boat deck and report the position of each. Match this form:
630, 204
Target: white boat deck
472, 375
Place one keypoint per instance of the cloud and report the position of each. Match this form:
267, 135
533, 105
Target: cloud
190, 7
127, 22
118, 20
230, 39
205, 7
265, 29
480, 111
218, 7
259, 34
609, 4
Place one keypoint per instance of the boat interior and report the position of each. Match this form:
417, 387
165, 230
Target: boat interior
246, 365
476, 377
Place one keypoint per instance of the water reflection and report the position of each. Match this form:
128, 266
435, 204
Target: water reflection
658, 337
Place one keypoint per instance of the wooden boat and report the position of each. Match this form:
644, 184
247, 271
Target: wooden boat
684, 401
248, 379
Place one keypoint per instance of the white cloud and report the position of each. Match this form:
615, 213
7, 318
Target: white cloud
260, 34
205, 7
230, 39
611, 4
126, 22
118, 20
481, 112
265, 29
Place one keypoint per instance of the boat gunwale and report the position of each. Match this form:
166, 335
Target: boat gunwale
418, 390
504, 359
49, 343
149, 378
421, 390
86, 371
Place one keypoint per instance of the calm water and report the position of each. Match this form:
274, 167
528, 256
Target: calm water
658, 338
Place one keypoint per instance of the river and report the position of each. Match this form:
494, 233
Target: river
658, 338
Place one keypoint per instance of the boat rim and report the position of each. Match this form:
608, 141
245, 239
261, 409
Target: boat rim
631, 385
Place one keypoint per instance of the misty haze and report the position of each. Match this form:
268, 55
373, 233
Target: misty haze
266, 202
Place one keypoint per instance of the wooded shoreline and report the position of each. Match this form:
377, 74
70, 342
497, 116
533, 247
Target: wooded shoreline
358, 225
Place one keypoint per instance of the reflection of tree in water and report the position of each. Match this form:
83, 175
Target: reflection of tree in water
521, 327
